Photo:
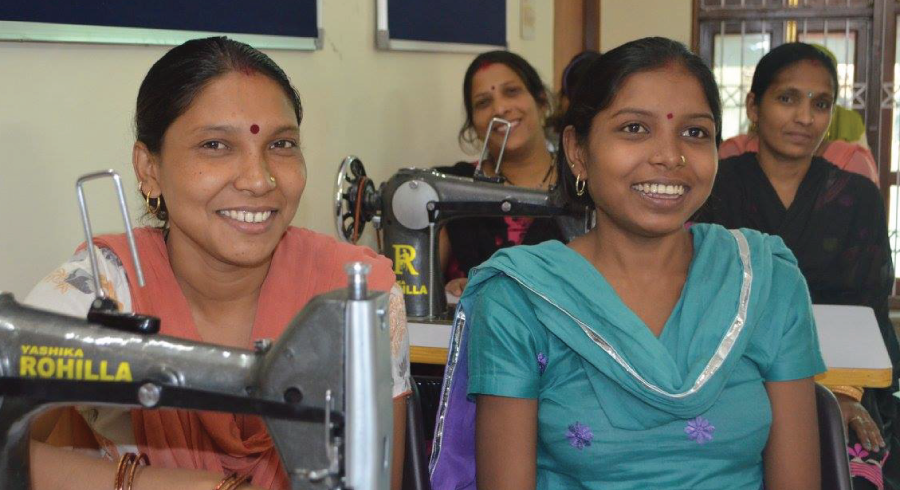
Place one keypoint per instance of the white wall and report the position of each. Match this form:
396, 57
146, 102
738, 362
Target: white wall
66, 109
626, 20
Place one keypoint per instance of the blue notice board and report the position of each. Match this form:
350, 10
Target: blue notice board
277, 24
470, 26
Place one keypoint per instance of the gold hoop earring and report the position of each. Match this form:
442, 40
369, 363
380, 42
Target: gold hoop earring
151, 209
580, 185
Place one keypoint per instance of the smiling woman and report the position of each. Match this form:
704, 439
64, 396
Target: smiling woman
643, 354
218, 158
500, 84
832, 220
219, 179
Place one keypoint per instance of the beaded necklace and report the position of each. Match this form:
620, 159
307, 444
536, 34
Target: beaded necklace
543, 181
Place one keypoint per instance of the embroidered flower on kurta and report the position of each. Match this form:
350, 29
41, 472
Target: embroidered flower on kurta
542, 362
579, 435
857, 451
700, 430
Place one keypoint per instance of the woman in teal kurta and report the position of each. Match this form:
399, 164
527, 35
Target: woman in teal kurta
684, 361
598, 426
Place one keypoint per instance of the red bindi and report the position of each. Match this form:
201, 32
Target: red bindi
254, 129
669, 116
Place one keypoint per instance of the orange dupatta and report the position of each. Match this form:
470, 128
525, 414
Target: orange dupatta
305, 264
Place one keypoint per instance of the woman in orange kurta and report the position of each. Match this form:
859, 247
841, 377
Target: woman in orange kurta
219, 164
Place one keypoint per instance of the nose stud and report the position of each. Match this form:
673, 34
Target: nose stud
272, 180
683, 160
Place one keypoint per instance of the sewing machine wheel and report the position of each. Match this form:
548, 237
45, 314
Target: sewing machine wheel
352, 191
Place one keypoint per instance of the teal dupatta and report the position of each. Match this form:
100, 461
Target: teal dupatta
632, 371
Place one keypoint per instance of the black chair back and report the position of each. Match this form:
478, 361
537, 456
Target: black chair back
832, 446
415, 463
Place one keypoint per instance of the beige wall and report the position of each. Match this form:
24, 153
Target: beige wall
626, 20
66, 109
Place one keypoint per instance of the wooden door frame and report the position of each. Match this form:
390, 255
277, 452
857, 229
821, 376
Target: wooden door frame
568, 42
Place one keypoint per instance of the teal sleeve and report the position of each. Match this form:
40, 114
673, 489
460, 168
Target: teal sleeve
797, 353
503, 342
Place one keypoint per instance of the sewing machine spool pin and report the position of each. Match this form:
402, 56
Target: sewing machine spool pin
479, 173
357, 272
104, 310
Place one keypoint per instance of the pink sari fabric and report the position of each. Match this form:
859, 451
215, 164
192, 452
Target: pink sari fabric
851, 157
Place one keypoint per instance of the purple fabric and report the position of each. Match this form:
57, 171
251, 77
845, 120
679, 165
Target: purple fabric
700, 430
579, 436
542, 361
454, 468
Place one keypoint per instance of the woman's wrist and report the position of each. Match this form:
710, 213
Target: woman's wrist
854, 392
126, 471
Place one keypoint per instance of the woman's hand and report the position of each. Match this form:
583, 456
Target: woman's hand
857, 417
456, 286
63, 469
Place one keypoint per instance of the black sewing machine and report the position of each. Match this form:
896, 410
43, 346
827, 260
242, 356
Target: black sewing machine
413, 205
323, 388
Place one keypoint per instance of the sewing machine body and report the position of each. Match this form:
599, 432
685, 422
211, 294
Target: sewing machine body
317, 372
414, 204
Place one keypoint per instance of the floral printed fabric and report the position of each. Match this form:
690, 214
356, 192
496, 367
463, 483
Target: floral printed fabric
70, 288
399, 344
867, 465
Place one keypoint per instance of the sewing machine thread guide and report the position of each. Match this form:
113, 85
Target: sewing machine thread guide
484, 149
104, 310
88, 233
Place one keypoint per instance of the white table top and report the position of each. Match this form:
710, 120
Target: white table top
436, 335
848, 336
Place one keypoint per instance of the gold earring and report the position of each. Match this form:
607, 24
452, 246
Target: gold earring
580, 185
753, 128
151, 209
